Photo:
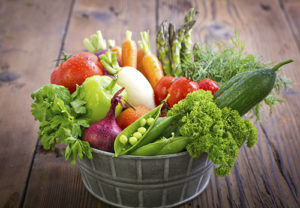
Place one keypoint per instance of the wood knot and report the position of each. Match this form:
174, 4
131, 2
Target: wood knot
217, 31
265, 7
8, 76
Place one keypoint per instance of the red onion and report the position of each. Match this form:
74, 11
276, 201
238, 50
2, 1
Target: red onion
101, 135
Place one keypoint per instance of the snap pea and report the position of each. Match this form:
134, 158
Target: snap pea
152, 148
121, 148
163, 146
163, 126
178, 144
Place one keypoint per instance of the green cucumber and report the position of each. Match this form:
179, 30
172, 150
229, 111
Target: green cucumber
245, 90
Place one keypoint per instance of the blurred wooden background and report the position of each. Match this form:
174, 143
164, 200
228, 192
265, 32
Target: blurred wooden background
33, 34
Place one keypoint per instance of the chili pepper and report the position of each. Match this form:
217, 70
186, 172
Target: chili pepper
120, 147
163, 126
177, 145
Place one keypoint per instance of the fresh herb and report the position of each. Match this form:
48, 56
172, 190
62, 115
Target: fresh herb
62, 119
225, 61
218, 132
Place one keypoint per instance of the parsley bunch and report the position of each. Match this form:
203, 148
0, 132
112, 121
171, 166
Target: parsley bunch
218, 132
62, 119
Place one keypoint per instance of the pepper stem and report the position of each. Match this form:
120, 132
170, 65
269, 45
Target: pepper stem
277, 66
112, 83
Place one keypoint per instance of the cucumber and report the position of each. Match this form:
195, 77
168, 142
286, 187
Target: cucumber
245, 90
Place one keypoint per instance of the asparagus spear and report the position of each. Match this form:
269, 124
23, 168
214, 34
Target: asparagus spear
186, 51
163, 47
177, 46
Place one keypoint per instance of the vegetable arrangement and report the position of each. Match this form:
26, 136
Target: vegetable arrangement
127, 101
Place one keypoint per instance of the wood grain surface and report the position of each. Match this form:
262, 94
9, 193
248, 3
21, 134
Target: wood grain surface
34, 33
30, 40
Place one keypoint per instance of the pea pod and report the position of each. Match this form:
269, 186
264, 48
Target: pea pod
152, 148
178, 144
163, 126
121, 148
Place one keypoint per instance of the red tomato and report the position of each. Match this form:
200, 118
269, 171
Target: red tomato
161, 89
180, 88
209, 84
76, 69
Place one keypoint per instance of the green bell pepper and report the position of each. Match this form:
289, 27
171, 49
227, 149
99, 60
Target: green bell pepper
98, 91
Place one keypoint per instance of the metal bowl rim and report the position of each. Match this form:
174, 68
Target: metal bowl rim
100, 152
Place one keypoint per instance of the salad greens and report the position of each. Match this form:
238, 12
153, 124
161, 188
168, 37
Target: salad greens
218, 132
62, 119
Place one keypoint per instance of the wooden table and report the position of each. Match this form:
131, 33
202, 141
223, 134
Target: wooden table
33, 34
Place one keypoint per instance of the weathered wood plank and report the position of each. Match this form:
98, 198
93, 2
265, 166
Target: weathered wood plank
113, 18
291, 10
29, 42
54, 182
263, 176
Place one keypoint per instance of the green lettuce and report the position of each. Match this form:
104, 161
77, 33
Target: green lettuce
62, 118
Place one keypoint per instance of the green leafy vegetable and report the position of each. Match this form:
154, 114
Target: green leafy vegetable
225, 61
218, 132
62, 119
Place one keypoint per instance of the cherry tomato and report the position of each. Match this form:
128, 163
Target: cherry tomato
161, 89
76, 69
180, 88
209, 84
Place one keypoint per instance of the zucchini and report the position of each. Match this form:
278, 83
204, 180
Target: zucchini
245, 90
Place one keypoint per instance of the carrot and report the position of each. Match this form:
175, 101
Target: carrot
129, 51
151, 65
117, 49
140, 56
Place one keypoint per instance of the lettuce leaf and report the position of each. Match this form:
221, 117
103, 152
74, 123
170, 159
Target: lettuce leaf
62, 119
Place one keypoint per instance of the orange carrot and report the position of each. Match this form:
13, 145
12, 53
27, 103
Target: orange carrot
117, 49
151, 65
140, 56
129, 51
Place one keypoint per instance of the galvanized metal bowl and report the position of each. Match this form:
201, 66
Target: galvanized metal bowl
139, 181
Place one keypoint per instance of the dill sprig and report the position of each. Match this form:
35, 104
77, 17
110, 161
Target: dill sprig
222, 61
